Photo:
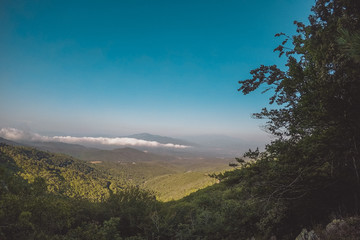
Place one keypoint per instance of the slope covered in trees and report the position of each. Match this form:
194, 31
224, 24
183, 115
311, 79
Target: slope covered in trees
61, 174
168, 176
52, 196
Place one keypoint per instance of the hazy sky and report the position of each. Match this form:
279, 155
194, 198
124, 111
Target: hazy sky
123, 67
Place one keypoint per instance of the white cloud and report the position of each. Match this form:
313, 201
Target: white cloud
16, 134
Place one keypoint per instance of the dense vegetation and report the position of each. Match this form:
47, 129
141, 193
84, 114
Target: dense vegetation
170, 177
51, 196
306, 177
61, 174
168, 180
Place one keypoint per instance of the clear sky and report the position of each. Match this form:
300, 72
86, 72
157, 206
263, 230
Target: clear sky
123, 67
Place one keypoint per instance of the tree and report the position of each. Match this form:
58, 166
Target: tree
317, 119
350, 43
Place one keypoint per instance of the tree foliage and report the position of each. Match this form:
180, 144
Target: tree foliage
313, 166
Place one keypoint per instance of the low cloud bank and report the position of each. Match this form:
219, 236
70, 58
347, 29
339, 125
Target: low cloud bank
19, 135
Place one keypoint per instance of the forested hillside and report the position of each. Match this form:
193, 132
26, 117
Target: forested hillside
47, 196
127, 166
61, 174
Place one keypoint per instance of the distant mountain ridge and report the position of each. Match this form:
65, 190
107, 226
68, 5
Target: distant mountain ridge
161, 139
186, 146
92, 154
8, 142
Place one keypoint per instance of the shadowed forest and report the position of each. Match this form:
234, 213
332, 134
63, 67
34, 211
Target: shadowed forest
307, 177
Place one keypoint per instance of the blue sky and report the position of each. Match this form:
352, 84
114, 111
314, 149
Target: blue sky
123, 67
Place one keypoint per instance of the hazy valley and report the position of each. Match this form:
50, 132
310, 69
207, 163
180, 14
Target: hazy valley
169, 176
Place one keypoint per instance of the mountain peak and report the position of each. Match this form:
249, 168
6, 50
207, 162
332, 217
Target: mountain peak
160, 139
